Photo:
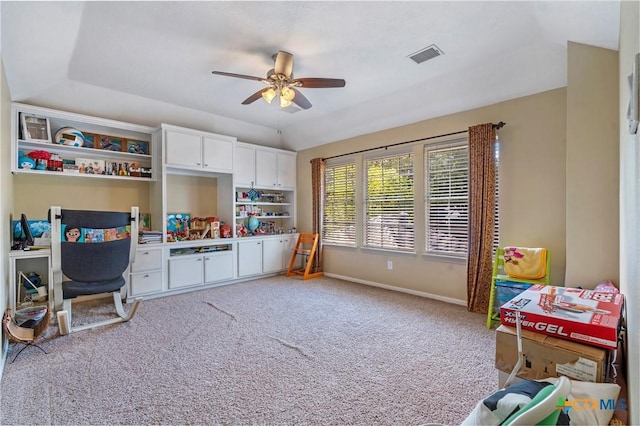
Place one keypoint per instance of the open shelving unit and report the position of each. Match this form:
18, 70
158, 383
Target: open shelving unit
272, 207
92, 127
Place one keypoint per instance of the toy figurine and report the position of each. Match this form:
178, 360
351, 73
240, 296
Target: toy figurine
25, 162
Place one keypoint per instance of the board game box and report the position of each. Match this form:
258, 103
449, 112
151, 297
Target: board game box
584, 316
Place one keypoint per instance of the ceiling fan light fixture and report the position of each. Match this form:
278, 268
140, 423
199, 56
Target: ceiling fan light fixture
284, 102
287, 93
268, 95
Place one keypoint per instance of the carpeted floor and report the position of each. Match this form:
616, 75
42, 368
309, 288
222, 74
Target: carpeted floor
270, 351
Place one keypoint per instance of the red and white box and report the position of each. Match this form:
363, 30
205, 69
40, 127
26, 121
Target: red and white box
584, 316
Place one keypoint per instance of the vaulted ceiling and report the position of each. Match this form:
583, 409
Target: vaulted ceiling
150, 62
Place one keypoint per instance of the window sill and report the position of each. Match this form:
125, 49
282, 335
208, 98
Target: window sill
444, 258
390, 251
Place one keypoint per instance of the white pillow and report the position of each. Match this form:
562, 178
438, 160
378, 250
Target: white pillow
585, 414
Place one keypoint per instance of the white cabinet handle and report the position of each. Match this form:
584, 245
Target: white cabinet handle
146, 275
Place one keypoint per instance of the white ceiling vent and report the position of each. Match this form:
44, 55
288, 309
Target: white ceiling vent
291, 109
425, 54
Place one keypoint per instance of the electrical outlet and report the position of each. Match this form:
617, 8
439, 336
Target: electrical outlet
390, 264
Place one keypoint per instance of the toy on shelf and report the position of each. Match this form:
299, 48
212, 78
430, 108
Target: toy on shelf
25, 162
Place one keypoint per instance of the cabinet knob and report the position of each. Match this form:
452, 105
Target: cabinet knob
197, 164
146, 275
200, 260
146, 253
206, 165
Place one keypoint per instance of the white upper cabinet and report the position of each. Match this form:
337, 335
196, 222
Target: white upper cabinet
190, 149
244, 165
217, 154
183, 149
275, 169
286, 170
266, 168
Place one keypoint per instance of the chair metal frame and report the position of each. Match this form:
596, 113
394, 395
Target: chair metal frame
63, 306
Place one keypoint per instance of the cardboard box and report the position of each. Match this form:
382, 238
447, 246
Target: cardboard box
546, 356
585, 316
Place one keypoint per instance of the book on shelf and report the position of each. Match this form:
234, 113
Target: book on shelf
149, 237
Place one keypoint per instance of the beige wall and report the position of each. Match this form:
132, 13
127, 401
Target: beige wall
630, 205
593, 191
190, 194
532, 201
6, 194
34, 195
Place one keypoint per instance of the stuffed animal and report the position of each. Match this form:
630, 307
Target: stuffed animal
25, 162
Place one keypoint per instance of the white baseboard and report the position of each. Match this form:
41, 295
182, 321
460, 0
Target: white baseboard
400, 289
3, 360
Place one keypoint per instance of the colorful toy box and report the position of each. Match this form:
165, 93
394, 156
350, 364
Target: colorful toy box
585, 316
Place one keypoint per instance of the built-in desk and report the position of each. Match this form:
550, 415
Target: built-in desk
25, 261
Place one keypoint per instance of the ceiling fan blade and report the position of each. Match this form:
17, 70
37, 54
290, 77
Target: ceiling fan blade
284, 63
254, 97
229, 74
318, 83
301, 100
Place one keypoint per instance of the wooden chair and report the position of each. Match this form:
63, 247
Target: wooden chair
306, 246
499, 274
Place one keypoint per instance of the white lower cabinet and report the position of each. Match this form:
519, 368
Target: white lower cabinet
218, 267
265, 256
272, 255
146, 272
289, 246
249, 258
185, 271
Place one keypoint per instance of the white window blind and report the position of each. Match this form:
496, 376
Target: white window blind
388, 204
447, 198
339, 219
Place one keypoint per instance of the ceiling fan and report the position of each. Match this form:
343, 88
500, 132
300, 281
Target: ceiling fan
280, 82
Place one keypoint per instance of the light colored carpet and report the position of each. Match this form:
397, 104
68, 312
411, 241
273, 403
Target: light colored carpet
270, 351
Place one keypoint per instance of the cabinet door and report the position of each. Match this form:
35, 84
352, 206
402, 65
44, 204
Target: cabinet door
272, 253
249, 258
147, 260
286, 170
266, 168
217, 154
244, 166
185, 271
146, 283
183, 149
218, 267
289, 246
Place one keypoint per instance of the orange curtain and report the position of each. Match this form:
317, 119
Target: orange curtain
482, 170
317, 189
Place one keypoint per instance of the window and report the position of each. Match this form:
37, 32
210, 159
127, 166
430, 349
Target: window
339, 219
388, 204
447, 199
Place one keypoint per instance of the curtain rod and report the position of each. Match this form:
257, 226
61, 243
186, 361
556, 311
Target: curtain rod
495, 126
